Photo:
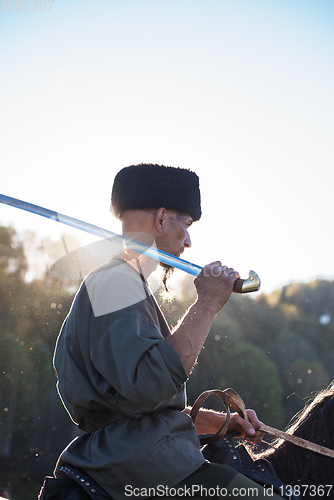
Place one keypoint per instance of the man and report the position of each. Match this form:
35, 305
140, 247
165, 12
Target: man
121, 373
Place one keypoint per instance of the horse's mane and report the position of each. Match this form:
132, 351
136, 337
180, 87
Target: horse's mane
298, 466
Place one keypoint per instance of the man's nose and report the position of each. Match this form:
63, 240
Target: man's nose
187, 241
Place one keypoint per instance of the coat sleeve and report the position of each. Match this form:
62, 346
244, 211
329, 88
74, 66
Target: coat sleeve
134, 358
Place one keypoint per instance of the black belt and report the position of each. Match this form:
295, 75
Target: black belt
99, 419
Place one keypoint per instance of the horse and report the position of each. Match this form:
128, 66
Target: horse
308, 473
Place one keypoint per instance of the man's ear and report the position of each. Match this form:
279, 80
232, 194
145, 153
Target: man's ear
160, 219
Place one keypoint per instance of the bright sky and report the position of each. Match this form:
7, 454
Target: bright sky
240, 91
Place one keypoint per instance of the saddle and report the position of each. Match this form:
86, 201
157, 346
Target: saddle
260, 471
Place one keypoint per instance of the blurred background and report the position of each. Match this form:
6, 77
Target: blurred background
238, 91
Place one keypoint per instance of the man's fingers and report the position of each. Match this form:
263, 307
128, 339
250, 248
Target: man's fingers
216, 269
256, 423
248, 430
231, 273
247, 427
215, 283
254, 437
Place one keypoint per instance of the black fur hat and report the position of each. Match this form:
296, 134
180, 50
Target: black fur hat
154, 186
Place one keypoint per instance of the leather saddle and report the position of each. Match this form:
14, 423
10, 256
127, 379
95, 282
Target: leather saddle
260, 471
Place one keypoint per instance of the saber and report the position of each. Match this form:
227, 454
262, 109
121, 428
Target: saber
251, 284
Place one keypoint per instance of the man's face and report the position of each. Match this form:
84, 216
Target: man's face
175, 239
176, 236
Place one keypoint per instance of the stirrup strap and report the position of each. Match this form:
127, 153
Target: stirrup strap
229, 398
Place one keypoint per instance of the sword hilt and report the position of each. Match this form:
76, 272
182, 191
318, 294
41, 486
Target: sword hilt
251, 284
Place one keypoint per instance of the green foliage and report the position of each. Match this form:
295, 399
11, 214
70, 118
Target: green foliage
246, 369
31, 314
12, 258
274, 351
314, 299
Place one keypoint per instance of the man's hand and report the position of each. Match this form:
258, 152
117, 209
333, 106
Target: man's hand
210, 422
248, 430
214, 285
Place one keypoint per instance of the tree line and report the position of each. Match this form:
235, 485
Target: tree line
274, 350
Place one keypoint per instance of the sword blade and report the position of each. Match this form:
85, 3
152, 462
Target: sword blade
241, 286
132, 244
